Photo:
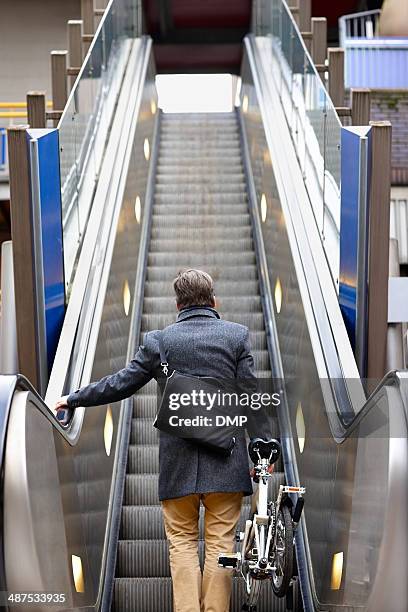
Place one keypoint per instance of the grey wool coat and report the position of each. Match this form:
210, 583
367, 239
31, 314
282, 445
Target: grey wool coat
198, 343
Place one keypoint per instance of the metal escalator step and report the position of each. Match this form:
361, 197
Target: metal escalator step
210, 245
142, 523
203, 260
194, 209
142, 595
200, 198
143, 459
143, 432
176, 130
144, 406
171, 151
190, 142
198, 117
194, 233
187, 170
217, 178
146, 558
206, 222
261, 360
210, 162
156, 595
194, 188
141, 489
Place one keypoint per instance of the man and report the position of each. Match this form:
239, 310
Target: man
199, 343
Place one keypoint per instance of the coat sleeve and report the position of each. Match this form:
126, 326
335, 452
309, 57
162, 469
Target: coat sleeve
123, 383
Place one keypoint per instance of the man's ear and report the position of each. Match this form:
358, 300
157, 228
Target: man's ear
178, 306
214, 302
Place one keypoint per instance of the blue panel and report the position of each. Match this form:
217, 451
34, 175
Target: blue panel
3, 138
376, 63
350, 162
52, 243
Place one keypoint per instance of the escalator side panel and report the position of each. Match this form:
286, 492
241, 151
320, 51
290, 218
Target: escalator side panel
345, 509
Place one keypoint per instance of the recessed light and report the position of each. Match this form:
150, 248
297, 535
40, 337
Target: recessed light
78, 574
108, 430
146, 149
278, 295
126, 297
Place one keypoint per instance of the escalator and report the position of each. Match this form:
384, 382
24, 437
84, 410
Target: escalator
228, 193
200, 218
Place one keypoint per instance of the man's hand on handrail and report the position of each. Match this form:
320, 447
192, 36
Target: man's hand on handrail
62, 411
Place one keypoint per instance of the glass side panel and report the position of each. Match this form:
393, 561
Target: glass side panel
312, 119
84, 125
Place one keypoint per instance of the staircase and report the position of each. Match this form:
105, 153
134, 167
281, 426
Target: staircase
200, 219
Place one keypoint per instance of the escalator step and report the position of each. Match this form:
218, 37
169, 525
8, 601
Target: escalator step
142, 558
207, 222
164, 305
160, 260
194, 233
141, 489
199, 209
167, 245
155, 595
143, 459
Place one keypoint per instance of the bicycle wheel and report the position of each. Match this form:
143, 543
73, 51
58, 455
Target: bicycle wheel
253, 589
252, 586
284, 553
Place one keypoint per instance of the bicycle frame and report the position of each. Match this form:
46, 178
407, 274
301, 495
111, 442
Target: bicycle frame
257, 559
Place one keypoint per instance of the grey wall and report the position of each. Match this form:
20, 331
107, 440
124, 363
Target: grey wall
29, 30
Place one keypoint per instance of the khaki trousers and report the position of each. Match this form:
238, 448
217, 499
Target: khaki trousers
193, 591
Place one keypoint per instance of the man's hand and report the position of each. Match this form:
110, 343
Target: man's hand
62, 403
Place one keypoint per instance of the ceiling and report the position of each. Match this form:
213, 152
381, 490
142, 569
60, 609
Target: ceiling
206, 35
197, 35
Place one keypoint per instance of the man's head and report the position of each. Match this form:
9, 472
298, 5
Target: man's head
194, 288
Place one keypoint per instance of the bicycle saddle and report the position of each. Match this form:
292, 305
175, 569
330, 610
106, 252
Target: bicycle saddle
264, 449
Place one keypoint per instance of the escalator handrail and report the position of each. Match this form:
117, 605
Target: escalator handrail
9, 385
344, 407
86, 264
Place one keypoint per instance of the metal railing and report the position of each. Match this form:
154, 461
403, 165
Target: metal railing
377, 62
358, 25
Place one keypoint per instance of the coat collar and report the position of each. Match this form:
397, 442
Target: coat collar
197, 311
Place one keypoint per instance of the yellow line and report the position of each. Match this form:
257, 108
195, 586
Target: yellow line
19, 104
12, 115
